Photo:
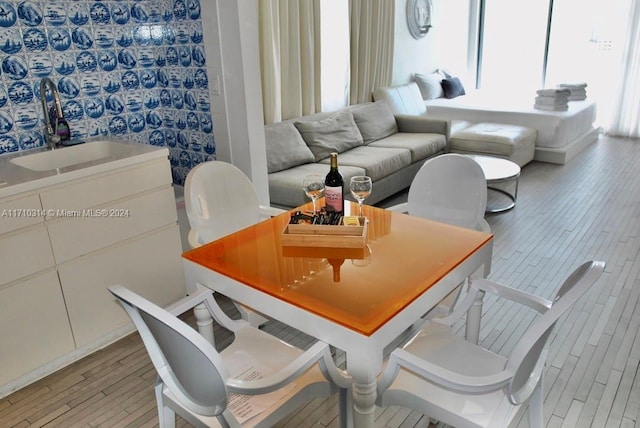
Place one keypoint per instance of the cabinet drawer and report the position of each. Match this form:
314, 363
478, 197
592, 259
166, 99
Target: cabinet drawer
102, 189
34, 328
150, 265
20, 212
24, 253
124, 219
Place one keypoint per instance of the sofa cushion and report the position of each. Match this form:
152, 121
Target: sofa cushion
421, 146
378, 162
402, 99
429, 84
459, 125
375, 121
336, 133
285, 187
513, 142
285, 147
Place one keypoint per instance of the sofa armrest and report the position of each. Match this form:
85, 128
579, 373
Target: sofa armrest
412, 123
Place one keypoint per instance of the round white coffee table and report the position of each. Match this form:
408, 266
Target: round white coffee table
496, 171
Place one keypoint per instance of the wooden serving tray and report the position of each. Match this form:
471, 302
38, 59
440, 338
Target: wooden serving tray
312, 235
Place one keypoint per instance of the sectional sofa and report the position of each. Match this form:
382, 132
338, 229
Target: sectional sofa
370, 140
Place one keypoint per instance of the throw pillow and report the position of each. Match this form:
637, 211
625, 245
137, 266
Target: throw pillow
375, 121
285, 147
336, 133
429, 85
452, 87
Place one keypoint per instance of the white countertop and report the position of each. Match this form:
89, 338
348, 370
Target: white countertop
15, 179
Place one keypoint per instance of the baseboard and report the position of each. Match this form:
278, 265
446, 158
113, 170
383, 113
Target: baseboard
562, 155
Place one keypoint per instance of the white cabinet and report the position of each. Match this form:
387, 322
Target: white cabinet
20, 211
63, 244
24, 252
35, 328
111, 222
150, 265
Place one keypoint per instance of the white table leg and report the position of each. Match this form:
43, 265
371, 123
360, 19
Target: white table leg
204, 323
364, 400
474, 314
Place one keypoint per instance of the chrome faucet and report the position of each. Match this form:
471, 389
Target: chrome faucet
51, 129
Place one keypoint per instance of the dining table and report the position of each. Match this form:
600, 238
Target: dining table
359, 300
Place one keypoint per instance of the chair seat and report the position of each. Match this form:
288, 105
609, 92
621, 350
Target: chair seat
460, 383
276, 410
438, 345
270, 351
273, 355
195, 380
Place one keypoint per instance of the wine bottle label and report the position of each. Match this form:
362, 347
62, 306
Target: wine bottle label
333, 198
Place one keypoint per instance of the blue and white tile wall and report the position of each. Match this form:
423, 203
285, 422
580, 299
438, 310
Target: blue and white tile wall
130, 69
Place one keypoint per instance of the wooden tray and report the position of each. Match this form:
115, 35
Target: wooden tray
312, 235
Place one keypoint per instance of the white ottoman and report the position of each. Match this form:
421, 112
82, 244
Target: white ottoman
512, 142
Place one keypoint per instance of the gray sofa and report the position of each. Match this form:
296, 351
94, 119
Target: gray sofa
513, 142
370, 140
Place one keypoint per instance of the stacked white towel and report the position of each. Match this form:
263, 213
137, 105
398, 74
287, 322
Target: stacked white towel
552, 99
578, 90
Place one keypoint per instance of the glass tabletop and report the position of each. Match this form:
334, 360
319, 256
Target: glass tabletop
404, 256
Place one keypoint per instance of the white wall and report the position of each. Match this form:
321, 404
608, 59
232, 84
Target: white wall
444, 46
231, 41
411, 55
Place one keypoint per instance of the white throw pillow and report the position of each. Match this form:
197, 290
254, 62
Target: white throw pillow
429, 85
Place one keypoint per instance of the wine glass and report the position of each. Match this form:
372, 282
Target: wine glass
360, 189
313, 186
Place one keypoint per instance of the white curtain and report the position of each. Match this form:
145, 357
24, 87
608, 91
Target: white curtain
372, 29
289, 58
625, 117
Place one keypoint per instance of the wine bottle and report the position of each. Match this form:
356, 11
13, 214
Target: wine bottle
333, 188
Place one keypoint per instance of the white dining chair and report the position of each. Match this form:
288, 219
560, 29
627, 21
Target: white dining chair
452, 189
197, 382
459, 383
219, 200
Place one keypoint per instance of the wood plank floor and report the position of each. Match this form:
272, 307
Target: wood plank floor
565, 214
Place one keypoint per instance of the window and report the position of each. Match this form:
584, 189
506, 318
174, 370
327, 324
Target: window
513, 45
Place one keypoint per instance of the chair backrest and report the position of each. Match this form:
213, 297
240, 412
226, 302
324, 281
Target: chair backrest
449, 188
219, 200
528, 356
187, 364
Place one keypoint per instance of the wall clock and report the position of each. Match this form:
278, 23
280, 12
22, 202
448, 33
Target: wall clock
419, 17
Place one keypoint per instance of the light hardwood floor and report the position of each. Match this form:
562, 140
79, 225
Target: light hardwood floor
565, 214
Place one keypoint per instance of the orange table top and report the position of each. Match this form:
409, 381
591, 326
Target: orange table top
405, 256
